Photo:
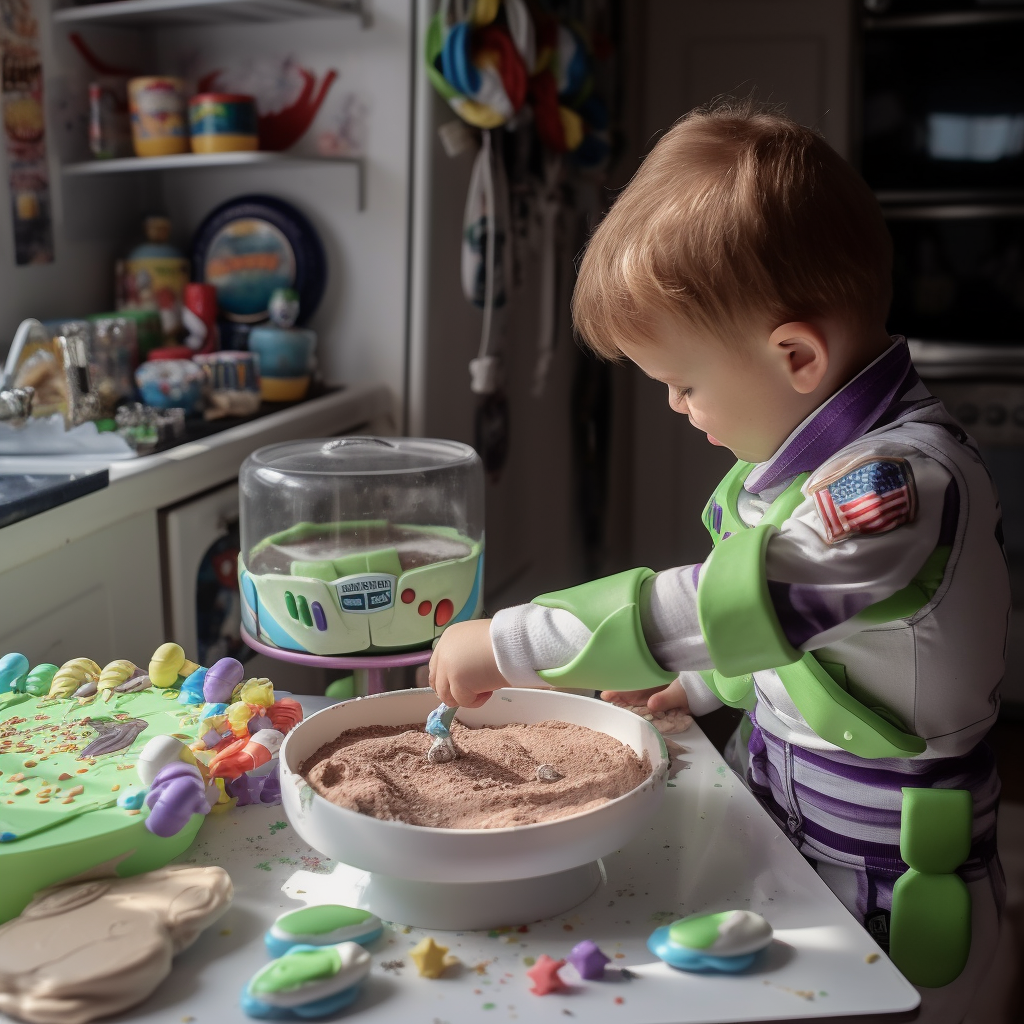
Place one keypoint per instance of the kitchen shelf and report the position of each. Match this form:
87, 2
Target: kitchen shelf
198, 161
942, 19
172, 13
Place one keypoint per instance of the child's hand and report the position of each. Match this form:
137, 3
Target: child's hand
660, 698
463, 671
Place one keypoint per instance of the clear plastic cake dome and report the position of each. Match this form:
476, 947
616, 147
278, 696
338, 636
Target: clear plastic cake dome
360, 543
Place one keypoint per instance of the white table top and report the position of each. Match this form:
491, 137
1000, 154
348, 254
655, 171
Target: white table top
710, 848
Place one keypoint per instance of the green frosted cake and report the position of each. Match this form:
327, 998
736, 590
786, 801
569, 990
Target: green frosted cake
65, 763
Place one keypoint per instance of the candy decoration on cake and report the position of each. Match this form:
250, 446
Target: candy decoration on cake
323, 925
307, 982
588, 960
544, 975
727, 941
246, 755
13, 672
221, 680
38, 681
71, 675
192, 687
113, 675
178, 792
168, 665
285, 714
112, 736
431, 959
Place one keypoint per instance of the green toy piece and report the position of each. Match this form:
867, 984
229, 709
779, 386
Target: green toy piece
616, 656
38, 681
930, 927
298, 968
341, 689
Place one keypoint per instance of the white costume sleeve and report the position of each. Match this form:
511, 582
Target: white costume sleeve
817, 590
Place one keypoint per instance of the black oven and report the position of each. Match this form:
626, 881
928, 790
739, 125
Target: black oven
942, 147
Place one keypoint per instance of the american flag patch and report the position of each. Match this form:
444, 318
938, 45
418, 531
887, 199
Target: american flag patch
870, 497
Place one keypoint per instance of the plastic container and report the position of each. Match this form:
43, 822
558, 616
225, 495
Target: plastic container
149, 332
286, 361
458, 879
171, 384
157, 106
360, 544
113, 358
221, 122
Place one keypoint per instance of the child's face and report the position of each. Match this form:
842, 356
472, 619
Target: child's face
741, 396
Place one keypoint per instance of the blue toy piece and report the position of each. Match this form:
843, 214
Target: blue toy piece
310, 1011
439, 721
307, 983
13, 672
192, 687
690, 960
728, 941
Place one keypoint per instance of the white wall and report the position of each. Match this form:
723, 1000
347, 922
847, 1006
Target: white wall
362, 318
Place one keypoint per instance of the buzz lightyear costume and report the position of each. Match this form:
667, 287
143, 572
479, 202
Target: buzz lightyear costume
855, 603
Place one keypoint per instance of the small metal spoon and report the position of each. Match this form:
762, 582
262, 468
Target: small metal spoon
439, 724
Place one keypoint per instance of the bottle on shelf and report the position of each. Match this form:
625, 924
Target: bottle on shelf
154, 277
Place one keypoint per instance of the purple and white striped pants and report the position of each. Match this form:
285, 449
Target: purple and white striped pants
843, 813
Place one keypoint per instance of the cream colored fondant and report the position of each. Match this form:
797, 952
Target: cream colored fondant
78, 952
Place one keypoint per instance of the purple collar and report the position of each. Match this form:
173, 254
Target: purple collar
848, 414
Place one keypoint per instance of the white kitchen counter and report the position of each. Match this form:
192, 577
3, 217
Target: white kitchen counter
711, 847
155, 481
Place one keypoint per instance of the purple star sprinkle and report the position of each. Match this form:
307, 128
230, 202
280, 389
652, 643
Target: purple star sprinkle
588, 960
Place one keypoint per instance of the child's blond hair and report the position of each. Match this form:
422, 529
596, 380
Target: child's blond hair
738, 216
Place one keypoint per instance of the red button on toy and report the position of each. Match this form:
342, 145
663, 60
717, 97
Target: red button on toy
445, 610
408, 596
424, 608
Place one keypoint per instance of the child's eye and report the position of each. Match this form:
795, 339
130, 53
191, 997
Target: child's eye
680, 393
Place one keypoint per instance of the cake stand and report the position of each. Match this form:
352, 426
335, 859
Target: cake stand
458, 879
368, 668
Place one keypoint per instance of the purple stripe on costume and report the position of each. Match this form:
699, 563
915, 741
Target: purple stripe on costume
805, 610
950, 513
695, 574
841, 420
877, 817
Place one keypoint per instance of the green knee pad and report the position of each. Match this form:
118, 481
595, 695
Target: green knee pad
930, 929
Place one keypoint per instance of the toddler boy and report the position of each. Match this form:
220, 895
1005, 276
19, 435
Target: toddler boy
857, 595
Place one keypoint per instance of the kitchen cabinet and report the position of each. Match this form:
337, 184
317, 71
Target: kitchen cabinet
96, 597
112, 574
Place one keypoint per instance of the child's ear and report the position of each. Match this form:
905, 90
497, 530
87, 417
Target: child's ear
803, 351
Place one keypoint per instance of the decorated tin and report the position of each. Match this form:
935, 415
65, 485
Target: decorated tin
157, 106
222, 122
286, 360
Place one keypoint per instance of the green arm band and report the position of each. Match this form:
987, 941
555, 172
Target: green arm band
616, 656
736, 691
739, 624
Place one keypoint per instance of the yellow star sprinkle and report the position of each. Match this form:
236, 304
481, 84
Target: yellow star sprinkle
431, 959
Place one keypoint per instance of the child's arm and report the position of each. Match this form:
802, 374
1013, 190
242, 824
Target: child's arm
817, 588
